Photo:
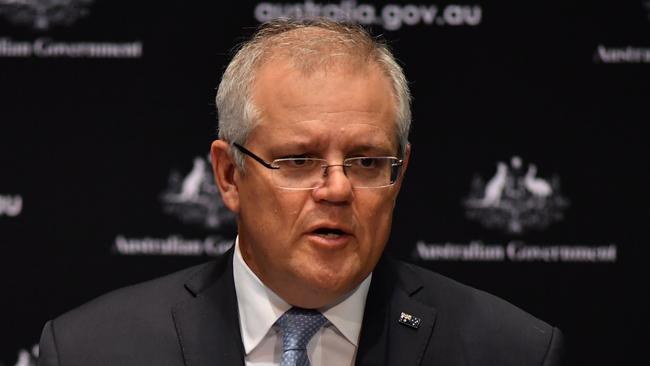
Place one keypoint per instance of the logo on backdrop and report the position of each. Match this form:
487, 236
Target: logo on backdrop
28, 357
515, 199
194, 198
11, 205
622, 55
390, 16
43, 14
626, 53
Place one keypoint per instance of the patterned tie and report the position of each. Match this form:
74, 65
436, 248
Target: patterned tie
298, 326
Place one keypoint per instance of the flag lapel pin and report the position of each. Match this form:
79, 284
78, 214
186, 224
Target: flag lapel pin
409, 320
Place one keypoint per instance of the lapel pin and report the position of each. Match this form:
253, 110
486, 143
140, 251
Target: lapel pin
409, 320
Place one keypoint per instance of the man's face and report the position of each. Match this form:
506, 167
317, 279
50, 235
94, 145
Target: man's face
283, 234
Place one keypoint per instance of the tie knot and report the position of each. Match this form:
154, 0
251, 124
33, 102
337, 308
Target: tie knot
298, 327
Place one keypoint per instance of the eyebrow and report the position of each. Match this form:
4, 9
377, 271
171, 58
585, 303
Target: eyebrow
302, 144
375, 145
371, 149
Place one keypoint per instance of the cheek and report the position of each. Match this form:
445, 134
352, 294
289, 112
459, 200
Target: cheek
376, 215
257, 202
273, 212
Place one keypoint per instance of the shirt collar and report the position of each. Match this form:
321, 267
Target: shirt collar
347, 315
259, 307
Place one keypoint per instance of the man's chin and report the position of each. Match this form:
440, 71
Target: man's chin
323, 290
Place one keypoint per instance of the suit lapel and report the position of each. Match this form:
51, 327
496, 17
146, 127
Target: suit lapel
406, 345
208, 324
384, 341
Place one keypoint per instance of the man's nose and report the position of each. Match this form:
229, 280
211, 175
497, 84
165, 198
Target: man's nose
336, 187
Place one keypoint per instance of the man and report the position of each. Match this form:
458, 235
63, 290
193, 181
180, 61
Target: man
314, 119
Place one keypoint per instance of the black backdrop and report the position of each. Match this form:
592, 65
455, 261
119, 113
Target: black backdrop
106, 111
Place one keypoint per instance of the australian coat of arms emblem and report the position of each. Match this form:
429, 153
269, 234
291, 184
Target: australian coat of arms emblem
43, 14
194, 198
515, 199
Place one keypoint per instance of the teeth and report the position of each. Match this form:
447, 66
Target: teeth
330, 235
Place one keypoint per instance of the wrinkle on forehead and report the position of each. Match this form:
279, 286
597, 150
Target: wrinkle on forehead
320, 135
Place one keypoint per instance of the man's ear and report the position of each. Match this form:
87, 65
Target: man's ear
224, 169
407, 158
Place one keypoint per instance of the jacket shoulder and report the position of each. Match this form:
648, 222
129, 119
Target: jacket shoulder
136, 320
484, 326
146, 297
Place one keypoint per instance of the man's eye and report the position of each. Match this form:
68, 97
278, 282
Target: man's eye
367, 162
298, 162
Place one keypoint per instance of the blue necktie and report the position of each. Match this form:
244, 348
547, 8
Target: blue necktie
298, 326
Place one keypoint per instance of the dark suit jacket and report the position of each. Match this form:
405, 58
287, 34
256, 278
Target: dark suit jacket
190, 318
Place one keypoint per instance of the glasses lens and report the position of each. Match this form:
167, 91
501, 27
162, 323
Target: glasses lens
298, 173
372, 172
363, 172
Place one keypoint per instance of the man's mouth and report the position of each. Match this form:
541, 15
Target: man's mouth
329, 233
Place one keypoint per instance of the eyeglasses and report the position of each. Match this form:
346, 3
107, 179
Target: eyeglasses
308, 173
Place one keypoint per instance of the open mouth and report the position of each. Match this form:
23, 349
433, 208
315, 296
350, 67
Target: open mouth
329, 232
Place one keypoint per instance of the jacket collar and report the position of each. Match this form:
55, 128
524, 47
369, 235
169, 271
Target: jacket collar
207, 324
384, 340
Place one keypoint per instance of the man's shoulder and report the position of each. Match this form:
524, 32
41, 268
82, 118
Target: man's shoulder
451, 296
474, 318
147, 302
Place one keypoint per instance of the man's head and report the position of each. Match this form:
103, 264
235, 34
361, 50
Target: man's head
314, 89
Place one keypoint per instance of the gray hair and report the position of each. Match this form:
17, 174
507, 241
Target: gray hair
308, 50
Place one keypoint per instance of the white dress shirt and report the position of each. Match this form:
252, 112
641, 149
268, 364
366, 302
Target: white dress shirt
333, 345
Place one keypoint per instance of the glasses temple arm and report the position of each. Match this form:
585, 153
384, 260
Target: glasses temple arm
257, 158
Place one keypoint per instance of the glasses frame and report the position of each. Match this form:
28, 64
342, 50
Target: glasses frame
326, 166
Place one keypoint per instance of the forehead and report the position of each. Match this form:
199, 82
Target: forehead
316, 136
339, 104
